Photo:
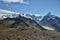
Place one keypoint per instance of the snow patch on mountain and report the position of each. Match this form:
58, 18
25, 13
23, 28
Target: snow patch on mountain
7, 13
25, 15
48, 28
37, 14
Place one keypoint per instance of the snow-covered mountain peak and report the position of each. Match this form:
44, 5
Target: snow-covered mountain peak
15, 14
49, 13
36, 14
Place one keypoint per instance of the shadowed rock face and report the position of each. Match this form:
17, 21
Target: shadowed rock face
19, 21
22, 28
51, 21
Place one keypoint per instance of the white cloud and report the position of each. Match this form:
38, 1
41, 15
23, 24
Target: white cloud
7, 12
14, 1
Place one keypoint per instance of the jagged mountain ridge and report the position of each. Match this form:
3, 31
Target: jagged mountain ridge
26, 27
22, 28
31, 16
51, 21
23, 21
44, 22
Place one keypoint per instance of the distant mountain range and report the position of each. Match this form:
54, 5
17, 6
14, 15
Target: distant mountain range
48, 22
33, 17
19, 19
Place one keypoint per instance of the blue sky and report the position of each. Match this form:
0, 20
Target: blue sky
41, 7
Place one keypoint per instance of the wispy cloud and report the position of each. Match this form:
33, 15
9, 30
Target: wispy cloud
14, 1
3, 13
7, 12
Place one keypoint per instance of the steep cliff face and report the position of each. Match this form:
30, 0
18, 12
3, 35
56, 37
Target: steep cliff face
51, 21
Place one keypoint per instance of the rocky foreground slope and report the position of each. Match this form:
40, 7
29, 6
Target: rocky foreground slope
29, 34
24, 29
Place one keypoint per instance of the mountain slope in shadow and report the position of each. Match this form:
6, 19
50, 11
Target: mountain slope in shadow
22, 28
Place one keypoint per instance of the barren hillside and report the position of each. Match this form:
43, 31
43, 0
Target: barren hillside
24, 29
